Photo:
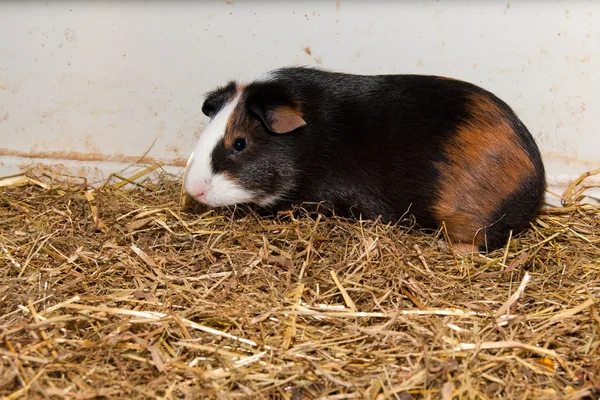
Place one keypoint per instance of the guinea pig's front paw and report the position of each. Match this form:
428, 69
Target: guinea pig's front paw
459, 249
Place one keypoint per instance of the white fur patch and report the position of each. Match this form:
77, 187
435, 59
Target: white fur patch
201, 183
268, 201
223, 192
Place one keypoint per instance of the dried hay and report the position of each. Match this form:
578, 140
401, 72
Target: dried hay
115, 293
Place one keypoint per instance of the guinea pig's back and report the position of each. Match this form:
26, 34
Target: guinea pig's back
446, 150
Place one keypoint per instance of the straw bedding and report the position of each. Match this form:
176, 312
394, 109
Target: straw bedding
116, 292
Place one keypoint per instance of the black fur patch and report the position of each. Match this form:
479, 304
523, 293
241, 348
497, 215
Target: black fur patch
216, 99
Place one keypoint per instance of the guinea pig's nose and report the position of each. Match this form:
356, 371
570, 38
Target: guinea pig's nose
197, 192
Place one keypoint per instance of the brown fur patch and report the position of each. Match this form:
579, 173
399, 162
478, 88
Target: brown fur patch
446, 78
485, 165
239, 124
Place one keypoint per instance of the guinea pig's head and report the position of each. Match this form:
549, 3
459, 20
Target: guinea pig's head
246, 152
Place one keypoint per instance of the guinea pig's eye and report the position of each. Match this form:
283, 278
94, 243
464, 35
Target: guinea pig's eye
239, 144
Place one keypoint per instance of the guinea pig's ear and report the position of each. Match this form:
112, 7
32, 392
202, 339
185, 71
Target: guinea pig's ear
216, 99
283, 119
278, 118
210, 107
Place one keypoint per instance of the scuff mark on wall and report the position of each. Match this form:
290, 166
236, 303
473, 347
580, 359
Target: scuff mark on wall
90, 145
92, 156
568, 159
173, 149
70, 35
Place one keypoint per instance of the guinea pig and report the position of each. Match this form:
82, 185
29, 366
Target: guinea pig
445, 151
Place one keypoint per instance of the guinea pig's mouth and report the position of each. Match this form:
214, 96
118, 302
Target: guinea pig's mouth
219, 191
